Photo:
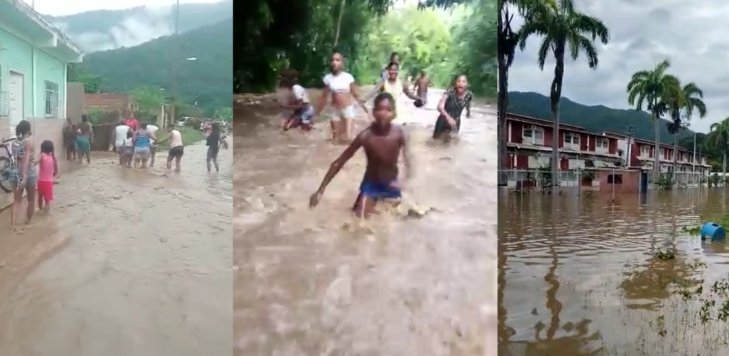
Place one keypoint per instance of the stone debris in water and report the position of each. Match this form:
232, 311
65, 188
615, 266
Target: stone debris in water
412, 210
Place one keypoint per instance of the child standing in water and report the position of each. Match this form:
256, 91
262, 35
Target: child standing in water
382, 143
128, 149
47, 172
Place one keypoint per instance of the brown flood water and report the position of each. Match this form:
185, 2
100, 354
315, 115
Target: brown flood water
131, 263
320, 282
580, 276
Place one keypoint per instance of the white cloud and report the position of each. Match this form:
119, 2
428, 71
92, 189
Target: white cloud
70, 7
690, 34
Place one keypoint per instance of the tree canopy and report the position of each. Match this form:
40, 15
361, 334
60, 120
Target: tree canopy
279, 34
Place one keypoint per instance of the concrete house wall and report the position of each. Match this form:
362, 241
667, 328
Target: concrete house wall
34, 57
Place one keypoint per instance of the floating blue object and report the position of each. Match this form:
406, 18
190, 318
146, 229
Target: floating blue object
713, 231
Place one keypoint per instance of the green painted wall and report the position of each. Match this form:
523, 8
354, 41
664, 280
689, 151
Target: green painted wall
19, 56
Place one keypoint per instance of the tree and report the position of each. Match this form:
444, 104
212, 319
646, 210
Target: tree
225, 114
681, 102
651, 86
562, 28
719, 138
150, 101
78, 73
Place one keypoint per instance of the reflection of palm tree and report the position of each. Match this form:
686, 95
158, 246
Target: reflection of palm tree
505, 332
554, 305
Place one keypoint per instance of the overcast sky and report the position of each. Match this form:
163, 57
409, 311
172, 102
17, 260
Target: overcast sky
691, 34
70, 7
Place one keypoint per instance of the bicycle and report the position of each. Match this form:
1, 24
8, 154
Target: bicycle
7, 165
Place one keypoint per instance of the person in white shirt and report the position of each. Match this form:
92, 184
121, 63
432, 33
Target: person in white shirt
152, 129
298, 101
118, 136
341, 87
177, 149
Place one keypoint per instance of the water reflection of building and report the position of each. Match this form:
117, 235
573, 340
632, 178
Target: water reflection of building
529, 148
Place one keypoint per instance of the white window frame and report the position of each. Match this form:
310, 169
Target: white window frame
645, 151
532, 138
600, 140
575, 139
51, 99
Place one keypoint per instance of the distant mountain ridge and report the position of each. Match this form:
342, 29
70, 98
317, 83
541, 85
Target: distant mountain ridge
596, 118
110, 29
206, 81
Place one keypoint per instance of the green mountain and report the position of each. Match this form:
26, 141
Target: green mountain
207, 80
110, 29
596, 118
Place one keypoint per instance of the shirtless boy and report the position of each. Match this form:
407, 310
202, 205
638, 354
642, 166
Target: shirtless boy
421, 86
382, 143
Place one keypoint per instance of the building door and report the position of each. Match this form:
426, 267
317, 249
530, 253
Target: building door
16, 100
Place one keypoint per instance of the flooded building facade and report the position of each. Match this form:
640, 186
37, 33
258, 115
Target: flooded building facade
642, 156
582, 153
34, 58
529, 149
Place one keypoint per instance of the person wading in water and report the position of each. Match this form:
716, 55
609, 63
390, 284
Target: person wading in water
24, 175
450, 107
421, 86
341, 87
118, 136
394, 58
69, 139
213, 143
396, 88
84, 137
142, 141
382, 143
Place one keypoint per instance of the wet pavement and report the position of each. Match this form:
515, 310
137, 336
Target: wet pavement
581, 276
321, 282
130, 262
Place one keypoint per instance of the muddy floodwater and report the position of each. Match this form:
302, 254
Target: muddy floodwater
583, 276
321, 282
130, 262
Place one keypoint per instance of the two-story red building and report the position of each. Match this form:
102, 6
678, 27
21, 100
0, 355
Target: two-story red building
529, 145
642, 155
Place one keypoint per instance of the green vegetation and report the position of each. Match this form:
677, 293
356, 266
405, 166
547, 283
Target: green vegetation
202, 85
301, 35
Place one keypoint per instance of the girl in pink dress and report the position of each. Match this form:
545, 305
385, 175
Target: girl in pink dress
47, 171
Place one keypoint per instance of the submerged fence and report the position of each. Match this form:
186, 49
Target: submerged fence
540, 180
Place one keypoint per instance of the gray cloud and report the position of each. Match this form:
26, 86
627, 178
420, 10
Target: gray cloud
689, 34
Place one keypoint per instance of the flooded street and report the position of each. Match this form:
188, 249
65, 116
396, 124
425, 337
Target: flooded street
580, 276
321, 282
138, 262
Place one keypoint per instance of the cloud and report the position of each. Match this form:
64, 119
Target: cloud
141, 26
689, 34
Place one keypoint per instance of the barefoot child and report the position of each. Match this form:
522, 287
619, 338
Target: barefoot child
47, 171
127, 150
382, 143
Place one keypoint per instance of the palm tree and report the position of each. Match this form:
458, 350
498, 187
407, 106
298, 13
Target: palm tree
563, 29
508, 39
719, 138
681, 102
652, 86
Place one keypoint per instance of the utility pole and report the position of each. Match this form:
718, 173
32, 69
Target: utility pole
629, 132
173, 68
694, 160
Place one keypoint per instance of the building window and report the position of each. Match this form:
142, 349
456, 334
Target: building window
533, 135
51, 99
571, 138
602, 143
645, 151
615, 179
